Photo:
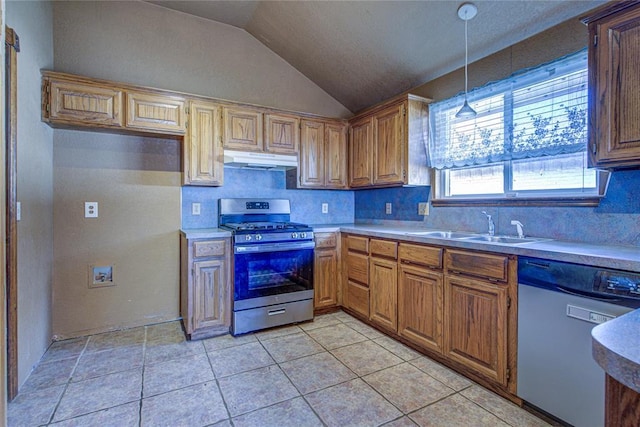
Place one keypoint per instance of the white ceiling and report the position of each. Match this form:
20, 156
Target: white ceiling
363, 52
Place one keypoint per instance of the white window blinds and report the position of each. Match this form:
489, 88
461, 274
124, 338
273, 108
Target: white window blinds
536, 112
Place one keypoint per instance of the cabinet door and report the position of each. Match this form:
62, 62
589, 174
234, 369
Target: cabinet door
361, 153
356, 297
383, 291
420, 305
312, 173
389, 151
84, 104
325, 278
203, 158
210, 305
615, 90
242, 129
476, 326
154, 112
282, 134
335, 156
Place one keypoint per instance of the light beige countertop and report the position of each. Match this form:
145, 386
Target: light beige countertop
616, 257
205, 233
616, 348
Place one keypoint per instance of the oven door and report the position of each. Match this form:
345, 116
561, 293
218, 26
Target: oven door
272, 269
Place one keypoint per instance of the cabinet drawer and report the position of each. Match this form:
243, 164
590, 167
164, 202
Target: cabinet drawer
358, 244
209, 248
420, 255
325, 240
384, 248
358, 298
358, 268
493, 267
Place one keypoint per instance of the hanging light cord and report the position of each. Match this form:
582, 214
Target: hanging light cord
466, 79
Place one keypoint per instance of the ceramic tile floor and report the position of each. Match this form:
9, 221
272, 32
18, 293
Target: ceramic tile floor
335, 371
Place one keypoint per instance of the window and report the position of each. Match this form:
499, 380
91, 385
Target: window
528, 139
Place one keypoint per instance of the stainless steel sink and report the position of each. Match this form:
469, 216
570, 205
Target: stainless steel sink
505, 239
443, 234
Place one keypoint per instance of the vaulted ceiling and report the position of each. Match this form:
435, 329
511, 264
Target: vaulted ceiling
363, 52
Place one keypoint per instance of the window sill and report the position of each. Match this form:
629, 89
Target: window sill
588, 201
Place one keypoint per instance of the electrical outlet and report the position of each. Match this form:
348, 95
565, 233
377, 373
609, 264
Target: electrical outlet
325, 208
195, 208
423, 208
91, 209
387, 208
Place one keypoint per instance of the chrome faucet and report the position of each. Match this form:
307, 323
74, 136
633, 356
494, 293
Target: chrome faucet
492, 226
519, 226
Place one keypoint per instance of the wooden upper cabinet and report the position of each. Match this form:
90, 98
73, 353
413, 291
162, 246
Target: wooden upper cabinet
312, 153
361, 153
203, 156
243, 129
614, 85
282, 133
80, 104
388, 144
335, 155
156, 112
323, 155
389, 149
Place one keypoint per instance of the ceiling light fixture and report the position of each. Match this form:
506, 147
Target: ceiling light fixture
466, 12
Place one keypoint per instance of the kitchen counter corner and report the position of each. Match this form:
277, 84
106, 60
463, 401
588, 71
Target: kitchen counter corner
616, 348
205, 233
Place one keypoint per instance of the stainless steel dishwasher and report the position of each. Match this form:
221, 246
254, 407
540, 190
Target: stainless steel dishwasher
558, 305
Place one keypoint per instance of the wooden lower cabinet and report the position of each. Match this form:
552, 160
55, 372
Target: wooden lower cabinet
384, 292
420, 306
475, 322
325, 271
205, 287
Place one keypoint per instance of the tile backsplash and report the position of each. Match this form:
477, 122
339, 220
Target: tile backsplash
306, 205
615, 221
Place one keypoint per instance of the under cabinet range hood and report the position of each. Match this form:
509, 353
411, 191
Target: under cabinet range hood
266, 161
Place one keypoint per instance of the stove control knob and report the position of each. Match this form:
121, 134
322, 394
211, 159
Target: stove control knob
258, 236
247, 237
303, 235
294, 235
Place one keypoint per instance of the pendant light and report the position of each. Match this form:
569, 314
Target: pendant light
466, 12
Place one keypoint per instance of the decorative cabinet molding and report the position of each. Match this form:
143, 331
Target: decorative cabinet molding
243, 129
282, 133
205, 287
155, 113
203, 156
387, 144
614, 85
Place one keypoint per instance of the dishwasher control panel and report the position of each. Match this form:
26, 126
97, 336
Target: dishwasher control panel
609, 285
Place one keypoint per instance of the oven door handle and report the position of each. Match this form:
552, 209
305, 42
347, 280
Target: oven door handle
273, 247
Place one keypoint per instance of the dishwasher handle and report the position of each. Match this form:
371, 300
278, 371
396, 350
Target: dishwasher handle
586, 294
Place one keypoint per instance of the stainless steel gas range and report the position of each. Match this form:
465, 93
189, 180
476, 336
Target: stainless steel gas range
272, 264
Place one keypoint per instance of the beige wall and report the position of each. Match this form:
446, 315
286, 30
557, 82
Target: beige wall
32, 21
136, 181
565, 38
142, 43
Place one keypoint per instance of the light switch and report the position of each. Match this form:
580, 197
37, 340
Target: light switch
18, 211
91, 209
